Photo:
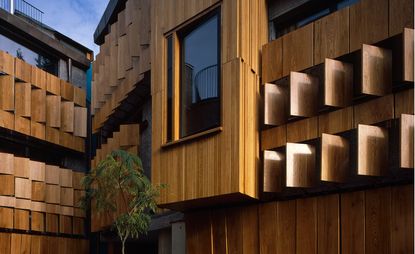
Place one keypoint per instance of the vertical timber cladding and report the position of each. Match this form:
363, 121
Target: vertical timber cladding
226, 162
369, 221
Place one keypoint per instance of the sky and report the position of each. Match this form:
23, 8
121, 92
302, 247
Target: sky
76, 19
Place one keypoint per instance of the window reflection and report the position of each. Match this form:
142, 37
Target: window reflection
200, 103
17, 50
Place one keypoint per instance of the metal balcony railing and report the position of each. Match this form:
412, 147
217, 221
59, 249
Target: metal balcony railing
28, 10
206, 83
23, 8
5, 5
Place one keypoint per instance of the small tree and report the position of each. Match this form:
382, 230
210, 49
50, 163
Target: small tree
119, 178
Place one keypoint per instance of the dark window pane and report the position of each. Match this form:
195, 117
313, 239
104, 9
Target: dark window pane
169, 88
31, 57
200, 79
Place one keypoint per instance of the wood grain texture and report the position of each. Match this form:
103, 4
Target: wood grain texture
7, 165
368, 22
22, 125
7, 188
328, 224
402, 219
37, 221
53, 111
302, 130
272, 61
353, 222
7, 201
335, 121
374, 111
38, 106
6, 217
335, 158
23, 188
52, 174
53, 194
37, 171
67, 116
6, 93
78, 226
297, 49
372, 150
38, 78
79, 96
338, 83
6, 63
65, 177
301, 165
37, 130
52, 223
67, 196
21, 167
306, 225
20, 243
273, 137
198, 232
6, 120
65, 224
21, 219
404, 102
331, 36
286, 227
53, 84
274, 171
5, 241
377, 220
304, 90
22, 99
267, 218
66, 91
38, 191
22, 70
376, 70
406, 141
80, 122
276, 104
38, 245
408, 54
401, 15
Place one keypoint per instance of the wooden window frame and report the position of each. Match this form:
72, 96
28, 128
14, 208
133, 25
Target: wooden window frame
176, 34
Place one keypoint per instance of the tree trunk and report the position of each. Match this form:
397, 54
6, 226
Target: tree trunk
123, 245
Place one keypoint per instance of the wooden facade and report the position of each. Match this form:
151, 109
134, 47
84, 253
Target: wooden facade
123, 60
225, 161
42, 192
33, 103
314, 152
370, 221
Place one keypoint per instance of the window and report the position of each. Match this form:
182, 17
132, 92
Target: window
286, 16
37, 59
193, 78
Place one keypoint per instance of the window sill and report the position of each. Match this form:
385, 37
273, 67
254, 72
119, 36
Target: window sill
193, 137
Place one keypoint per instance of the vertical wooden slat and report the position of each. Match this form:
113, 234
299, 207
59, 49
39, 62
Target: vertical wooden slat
297, 49
368, 22
401, 14
331, 35
286, 227
306, 226
377, 221
352, 222
198, 232
268, 228
328, 224
402, 219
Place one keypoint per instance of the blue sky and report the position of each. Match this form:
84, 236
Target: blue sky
76, 19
